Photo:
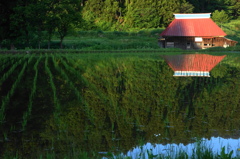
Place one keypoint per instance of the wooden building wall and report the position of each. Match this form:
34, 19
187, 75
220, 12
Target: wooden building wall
192, 43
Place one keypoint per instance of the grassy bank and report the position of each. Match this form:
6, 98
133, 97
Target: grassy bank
98, 40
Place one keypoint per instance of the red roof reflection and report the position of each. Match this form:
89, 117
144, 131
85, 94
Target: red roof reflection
193, 62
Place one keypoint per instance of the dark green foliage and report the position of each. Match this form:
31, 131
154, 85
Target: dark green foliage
205, 6
25, 21
233, 8
186, 7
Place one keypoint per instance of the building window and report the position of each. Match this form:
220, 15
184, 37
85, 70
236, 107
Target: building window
188, 45
199, 44
170, 44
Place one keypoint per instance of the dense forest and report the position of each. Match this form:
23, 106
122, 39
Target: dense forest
38, 20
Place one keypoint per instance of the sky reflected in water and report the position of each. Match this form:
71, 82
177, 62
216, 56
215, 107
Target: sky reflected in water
214, 143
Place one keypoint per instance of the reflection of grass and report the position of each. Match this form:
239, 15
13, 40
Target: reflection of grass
200, 151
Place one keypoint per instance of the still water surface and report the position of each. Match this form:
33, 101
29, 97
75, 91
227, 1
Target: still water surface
120, 105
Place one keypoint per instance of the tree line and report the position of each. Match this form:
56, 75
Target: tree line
24, 21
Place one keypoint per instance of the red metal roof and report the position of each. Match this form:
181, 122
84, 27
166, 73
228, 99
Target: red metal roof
193, 27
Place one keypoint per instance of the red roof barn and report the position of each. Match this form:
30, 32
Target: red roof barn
194, 31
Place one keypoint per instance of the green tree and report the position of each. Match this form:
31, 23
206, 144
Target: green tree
154, 13
20, 19
233, 8
220, 17
203, 6
66, 16
31, 27
50, 20
141, 14
211, 6
39, 22
102, 14
91, 13
109, 16
186, 7
9, 29
196, 5
166, 8
4, 22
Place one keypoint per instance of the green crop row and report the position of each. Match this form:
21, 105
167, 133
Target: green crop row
27, 114
6, 99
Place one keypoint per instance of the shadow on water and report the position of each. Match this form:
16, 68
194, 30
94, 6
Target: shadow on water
117, 104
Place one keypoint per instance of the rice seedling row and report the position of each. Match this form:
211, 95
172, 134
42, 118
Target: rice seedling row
54, 90
6, 62
72, 85
6, 99
78, 76
76, 73
10, 71
32, 94
65, 76
6, 75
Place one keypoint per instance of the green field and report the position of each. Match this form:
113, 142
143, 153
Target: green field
79, 104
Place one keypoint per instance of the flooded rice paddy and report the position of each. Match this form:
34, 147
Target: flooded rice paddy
127, 104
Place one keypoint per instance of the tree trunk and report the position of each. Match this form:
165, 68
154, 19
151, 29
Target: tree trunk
12, 46
27, 38
49, 44
39, 45
61, 42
